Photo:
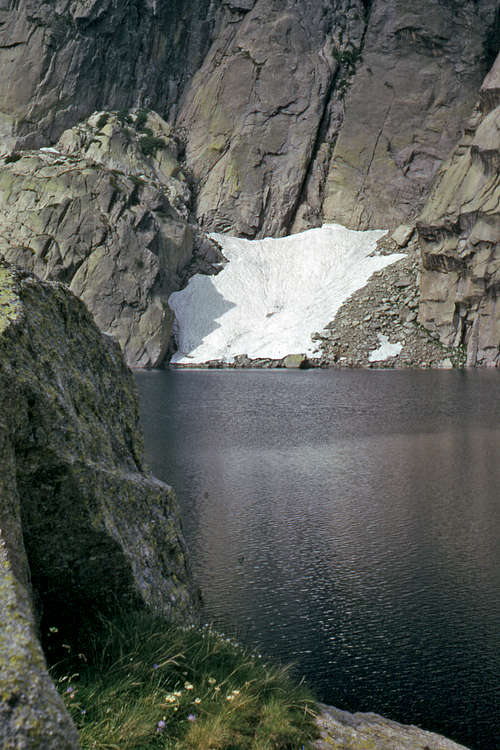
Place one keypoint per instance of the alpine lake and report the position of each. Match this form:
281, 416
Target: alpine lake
348, 522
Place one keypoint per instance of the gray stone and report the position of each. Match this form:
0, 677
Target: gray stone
295, 361
341, 730
84, 527
106, 211
403, 234
459, 231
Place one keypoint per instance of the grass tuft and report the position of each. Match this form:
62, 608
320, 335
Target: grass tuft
142, 684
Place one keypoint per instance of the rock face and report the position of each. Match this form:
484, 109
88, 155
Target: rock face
422, 65
341, 730
83, 526
459, 231
337, 112
296, 113
254, 111
107, 212
64, 59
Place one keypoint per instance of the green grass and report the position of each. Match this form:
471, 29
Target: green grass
141, 684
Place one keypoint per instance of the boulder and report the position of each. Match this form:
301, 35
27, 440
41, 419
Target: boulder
84, 527
295, 362
459, 231
341, 730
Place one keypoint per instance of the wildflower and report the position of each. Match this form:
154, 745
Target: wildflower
212, 680
170, 698
197, 700
217, 688
230, 697
83, 711
161, 725
236, 692
156, 666
69, 689
188, 686
177, 693
191, 717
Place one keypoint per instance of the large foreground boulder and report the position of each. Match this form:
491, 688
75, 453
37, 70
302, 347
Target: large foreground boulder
459, 231
83, 527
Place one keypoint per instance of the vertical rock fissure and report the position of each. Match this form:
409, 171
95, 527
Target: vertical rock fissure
321, 132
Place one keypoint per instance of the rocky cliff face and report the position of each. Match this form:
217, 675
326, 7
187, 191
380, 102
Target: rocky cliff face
296, 112
343, 111
460, 236
83, 526
62, 60
106, 211
291, 113
254, 111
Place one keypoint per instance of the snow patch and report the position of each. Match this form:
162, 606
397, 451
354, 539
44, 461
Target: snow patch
385, 350
273, 294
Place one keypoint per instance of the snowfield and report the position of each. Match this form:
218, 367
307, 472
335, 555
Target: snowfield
273, 294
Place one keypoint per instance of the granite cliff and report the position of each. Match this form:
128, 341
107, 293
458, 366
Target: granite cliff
459, 232
83, 526
282, 115
107, 211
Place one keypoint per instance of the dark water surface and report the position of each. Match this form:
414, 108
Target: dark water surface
348, 521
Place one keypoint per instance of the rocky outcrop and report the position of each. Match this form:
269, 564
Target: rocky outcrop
107, 212
341, 730
460, 235
422, 65
65, 59
84, 527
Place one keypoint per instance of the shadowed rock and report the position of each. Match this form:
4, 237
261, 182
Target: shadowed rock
84, 527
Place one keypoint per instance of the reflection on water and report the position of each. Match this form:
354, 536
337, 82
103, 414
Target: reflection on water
350, 522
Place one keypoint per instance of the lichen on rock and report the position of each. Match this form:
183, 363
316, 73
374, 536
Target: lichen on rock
84, 527
110, 218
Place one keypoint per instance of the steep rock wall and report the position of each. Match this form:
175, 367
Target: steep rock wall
62, 60
422, 65
459, 231
83, 526
310, 112
255, 108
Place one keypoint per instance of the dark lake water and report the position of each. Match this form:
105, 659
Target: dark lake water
348, 521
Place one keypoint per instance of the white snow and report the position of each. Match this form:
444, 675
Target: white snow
50, 150
272, 294
385, 350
